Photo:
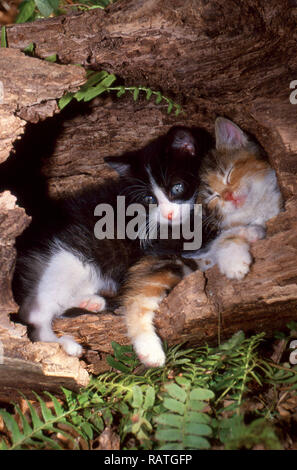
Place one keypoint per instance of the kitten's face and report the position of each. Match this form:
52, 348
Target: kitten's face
233, 176
163, 175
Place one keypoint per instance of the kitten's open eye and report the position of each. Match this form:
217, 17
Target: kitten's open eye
150, 199
177, 189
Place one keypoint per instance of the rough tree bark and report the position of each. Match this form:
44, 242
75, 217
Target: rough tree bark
215, 58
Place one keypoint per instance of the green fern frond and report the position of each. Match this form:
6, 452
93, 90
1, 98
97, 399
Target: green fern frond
184, 425
42, 422
101, 82
195, 398
235, 434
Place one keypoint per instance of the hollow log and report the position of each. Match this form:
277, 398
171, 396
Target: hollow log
224, 57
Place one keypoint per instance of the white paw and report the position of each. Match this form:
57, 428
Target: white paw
149, 350
237, 265
70, 346
93, 303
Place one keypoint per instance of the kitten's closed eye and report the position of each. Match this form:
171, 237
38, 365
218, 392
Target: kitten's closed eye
228, 178
214, 196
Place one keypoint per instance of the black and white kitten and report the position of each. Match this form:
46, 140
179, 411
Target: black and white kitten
61, 264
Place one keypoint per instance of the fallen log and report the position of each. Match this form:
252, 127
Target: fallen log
216, 58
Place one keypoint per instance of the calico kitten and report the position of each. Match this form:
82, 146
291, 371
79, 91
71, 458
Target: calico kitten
61, 264
239, 192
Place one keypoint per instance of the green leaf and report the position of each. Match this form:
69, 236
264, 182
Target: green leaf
196, 405
149, 398
169, 435
136, 94
70, 397
149, 93
26, 426
45, 7
37, 423
3, 37
176, 392
117, 365
107, 416
196, 417
159, 97
26, 10
170, 420
198, 429
292, 325
93, 78
121, 92
137, 397
12, 426
171, 446
120, 351
46, 412
3, 445
51, 58
87, 430
196, 442
55, 4
201, 394
97, 422
174, 405
170, 107
233, 342
65, 100
178, 110
29, 50
57, 406
100, 88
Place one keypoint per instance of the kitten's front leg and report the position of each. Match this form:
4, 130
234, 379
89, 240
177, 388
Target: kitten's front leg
146, 288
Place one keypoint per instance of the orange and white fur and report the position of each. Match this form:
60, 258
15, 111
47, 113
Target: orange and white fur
239, 191
148, 282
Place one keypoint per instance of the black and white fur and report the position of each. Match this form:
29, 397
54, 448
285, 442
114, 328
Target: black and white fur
61, 264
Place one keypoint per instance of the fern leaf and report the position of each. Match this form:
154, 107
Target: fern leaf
174, 405
159, 97
170, 107
169, 435
184, 423
137, 397
149, 398
149, 93
136, 94
196, 442
121, 91
176, 392
170, 420
65, 100
12, 426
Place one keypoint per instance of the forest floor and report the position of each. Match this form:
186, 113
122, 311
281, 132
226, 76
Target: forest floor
240, 395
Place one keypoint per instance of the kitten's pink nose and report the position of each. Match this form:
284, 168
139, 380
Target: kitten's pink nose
170, 215
237, 201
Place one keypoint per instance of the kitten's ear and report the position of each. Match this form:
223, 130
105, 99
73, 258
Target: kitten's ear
183, 140
121, 165
228, 135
